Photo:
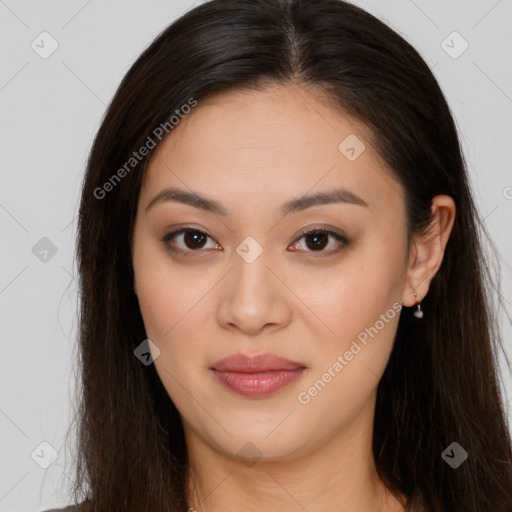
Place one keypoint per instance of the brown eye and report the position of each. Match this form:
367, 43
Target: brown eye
192, 240
316, 240
189, 240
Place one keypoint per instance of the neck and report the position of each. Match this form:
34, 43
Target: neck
338, 473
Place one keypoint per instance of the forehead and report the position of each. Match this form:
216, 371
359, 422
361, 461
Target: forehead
269, 145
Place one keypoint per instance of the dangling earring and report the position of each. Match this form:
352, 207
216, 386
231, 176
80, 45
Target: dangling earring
418, 313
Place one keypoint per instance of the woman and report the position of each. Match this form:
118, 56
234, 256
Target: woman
283, 291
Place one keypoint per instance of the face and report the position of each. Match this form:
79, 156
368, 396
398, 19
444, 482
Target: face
243, 279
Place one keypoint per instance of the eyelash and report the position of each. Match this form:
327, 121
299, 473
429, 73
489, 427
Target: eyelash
316, 230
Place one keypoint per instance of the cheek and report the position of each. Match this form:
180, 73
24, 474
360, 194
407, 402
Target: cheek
350, 362
175, 307
161, 294
174, 320
361, 304
170, 308
353, 294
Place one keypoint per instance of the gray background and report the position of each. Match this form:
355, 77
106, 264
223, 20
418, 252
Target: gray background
51, 108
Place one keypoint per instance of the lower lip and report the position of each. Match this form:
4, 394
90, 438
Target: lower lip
258, 385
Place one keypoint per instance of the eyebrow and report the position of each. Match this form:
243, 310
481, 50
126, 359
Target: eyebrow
339, 195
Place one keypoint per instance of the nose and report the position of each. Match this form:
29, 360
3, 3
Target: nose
255, 297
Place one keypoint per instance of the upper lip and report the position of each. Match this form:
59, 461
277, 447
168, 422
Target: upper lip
245, 363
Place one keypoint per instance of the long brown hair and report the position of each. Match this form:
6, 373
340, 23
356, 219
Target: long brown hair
441, 384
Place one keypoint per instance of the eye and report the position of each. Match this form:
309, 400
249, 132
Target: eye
317, 239
193, 240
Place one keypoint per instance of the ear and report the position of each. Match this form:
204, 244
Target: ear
427, 250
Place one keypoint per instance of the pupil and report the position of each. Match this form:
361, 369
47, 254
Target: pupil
189, 238
316, 244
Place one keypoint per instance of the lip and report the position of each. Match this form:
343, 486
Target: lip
245, 363
258, 375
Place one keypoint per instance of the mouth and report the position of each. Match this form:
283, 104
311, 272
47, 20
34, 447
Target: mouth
256, 376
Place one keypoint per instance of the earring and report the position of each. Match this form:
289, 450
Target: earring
418, 313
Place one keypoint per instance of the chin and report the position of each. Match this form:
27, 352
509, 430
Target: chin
256, 443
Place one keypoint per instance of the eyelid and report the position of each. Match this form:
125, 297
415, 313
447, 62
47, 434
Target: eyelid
339, 235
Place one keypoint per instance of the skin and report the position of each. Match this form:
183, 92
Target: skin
252, 151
